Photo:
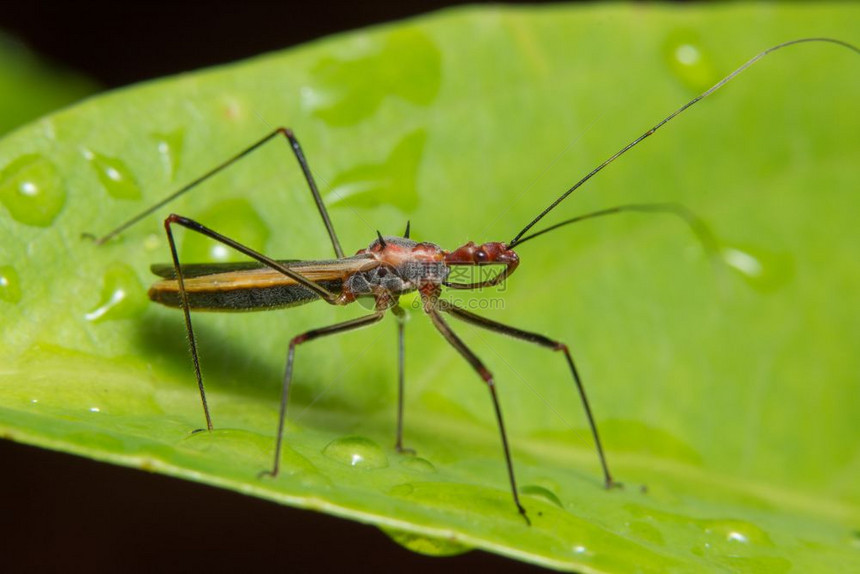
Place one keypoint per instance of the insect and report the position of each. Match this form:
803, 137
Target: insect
388, 268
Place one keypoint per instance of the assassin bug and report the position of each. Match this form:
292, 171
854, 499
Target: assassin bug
387, 269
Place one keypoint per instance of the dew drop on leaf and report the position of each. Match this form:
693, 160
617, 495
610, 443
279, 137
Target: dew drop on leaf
170, 150
358, 452
393, 182
114, 175
10, 285
733, 537
31, 189
542, 493
122, 295
423, 544
689, 61
417, 464
235, 218
406, 64
764, 271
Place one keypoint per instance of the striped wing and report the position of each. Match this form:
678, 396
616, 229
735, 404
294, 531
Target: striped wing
251, 286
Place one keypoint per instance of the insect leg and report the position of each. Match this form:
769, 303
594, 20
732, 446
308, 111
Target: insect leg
188, 223
186, 308
538, 339
401, 356
186, 311
300, 157
288, 373
487, 376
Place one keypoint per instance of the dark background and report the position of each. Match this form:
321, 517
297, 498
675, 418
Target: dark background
130, 41
59, 512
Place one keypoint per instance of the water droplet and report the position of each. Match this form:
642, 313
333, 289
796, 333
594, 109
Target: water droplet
169, 146
10, 284
645, 531
580, 549
95, 410
394, 182
427, 545
733, 537
687, 54
764, 271
542, 493
357, 452
417, 464
234, 218
122, 296
405, 63
690, 61
32, 190
602, 549
743, 262
114, 175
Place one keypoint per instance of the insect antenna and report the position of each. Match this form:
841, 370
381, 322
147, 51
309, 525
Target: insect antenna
406, 233
381, 240
519, 236
697, 225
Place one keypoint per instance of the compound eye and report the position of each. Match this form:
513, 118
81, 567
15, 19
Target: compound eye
481, 256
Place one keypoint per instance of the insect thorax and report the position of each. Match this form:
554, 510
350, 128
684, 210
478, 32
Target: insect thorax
406, 277
404, 265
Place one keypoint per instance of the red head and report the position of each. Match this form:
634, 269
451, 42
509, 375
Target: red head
486, 254
493, 253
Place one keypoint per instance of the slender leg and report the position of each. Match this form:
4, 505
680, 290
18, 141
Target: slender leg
288, 373
300, 157
487, 376
186, 308
543, 342
401, 357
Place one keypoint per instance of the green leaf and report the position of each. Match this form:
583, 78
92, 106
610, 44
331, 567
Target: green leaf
726, 395
30, 88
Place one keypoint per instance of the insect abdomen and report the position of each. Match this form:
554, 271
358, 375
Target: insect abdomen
256, 299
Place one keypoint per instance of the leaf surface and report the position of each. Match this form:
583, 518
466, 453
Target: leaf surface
726, 395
